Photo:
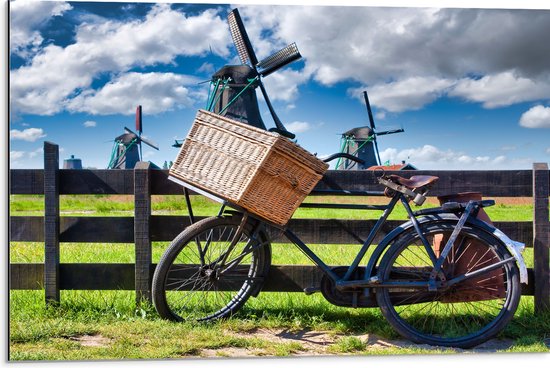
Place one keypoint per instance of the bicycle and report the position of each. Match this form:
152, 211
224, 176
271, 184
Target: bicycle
442, 278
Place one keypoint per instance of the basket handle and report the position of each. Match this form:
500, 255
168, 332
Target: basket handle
288, 176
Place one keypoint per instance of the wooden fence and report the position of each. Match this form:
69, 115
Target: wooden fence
144, 228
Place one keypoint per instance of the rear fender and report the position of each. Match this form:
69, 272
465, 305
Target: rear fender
514, 248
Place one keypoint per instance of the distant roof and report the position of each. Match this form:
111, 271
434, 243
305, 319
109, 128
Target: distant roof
394, 167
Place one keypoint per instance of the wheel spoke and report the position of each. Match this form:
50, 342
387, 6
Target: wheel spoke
461, 313
189, 281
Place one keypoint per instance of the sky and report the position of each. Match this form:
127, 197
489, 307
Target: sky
470, 87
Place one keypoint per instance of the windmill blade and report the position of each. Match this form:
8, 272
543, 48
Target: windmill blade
139, 127
141, 139
247, 55
129, 131
240, 38
369, 111
391, 131
149, 143
373, 127
376, 150
280, 127
279, 59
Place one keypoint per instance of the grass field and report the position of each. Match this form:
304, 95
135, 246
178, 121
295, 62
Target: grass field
107, 325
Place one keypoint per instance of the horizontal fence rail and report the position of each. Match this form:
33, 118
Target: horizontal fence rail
509, 183
165, 228
144, 228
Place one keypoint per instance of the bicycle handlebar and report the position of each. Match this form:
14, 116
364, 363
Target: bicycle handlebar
343, 155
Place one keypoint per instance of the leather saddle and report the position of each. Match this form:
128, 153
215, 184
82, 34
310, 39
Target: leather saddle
414, 182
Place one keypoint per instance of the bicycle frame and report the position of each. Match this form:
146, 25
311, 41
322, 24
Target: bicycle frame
366, 245
344, 282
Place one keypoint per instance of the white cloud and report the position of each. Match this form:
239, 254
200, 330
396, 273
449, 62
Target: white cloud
26, 17
508, 148
408, 57
27, 159
536, 117
408, 94
29, 135
298, 127
388, 49
17, 159
492, 91
502, 89
372, 43
548, 150
283, 85
44, 85
429, 157
90, 124
36, 152
207, 68
16, 155
149, 154
156, 92
380, 115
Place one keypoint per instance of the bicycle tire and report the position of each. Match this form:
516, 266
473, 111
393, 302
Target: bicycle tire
463, 315
189, 287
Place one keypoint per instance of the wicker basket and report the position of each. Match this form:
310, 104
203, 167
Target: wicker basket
259, 171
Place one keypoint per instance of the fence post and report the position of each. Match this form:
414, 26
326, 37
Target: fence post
142, 239
51, 222
541, 236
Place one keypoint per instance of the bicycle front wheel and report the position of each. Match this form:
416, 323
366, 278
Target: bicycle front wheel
464, 314
201, 277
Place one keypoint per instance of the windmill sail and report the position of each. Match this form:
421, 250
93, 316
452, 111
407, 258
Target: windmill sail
240, 38
139, 128
362, 143
234, 86
127, 151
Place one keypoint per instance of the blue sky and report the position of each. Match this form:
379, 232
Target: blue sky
471, 87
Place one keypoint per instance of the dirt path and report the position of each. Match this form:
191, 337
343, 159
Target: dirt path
315, 343
311, 343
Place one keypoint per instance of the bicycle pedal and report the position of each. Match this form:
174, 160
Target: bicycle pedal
311, 290
374, 280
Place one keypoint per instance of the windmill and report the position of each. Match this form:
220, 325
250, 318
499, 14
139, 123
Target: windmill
362, 143
127, 149
234, 86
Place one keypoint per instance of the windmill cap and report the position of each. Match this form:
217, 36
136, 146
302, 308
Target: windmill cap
359, 133
240, 74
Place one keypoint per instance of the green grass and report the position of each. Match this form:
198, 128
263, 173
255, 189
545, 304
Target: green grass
348, 344
119, 330
47, 333
102, 205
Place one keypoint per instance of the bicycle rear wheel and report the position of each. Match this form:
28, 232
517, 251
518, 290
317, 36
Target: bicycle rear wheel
462, 315
193, 281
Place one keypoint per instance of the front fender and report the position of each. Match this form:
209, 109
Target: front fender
514, 248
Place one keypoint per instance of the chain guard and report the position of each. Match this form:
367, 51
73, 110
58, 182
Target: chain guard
353, 298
